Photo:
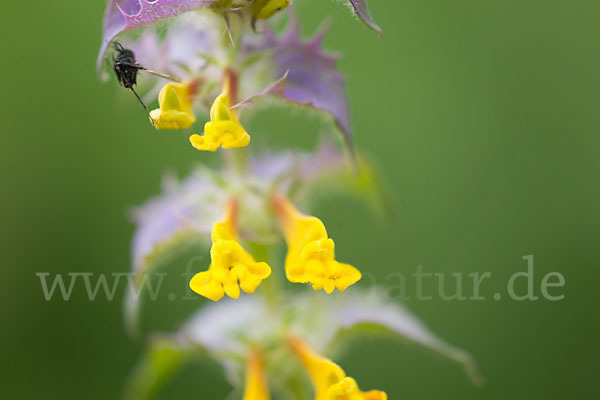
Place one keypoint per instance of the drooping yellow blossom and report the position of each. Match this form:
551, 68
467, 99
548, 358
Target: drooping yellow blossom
310, 257
175, 101
329, 379
256, 381
223, 129
231, 266
263, 9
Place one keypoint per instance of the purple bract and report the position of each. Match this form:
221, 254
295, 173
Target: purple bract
123, 15
360, 8
312, 78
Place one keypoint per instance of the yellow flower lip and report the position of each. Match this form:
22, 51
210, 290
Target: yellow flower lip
329, 379
311, 253
223, 129
175, 101
231, 268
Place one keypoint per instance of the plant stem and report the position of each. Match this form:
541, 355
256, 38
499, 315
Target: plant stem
271, 287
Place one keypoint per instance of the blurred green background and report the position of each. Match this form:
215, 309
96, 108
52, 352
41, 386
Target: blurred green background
483, 115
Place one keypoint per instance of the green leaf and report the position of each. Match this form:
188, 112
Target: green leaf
163, 358
160, 259
367, 316
361, 179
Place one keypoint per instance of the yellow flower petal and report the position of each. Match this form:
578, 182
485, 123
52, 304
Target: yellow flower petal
347, 389
323, 372
203, 284
231, 266
256, 382
175, 112
329, 379
264, 9
311, 253
223, 129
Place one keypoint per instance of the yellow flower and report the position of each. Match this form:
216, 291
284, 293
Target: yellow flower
347, 389
310, 256
256, 382
231, 266
223, 129
329, 379
263, 9
175, 112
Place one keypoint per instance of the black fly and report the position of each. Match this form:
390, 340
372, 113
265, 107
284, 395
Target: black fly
126, 68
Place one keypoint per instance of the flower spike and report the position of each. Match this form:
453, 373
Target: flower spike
175, 112
256, 381
231, 266
329, 379
223, 129
310, 257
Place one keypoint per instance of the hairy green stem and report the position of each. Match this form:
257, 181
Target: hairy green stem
270, 287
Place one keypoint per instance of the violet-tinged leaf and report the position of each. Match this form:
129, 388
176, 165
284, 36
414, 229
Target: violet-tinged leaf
179, 218
161, 259
276, 89
327, 172
362, 11
227, 329
177, 53
191, 206
310, 76
123, 15
370, 314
